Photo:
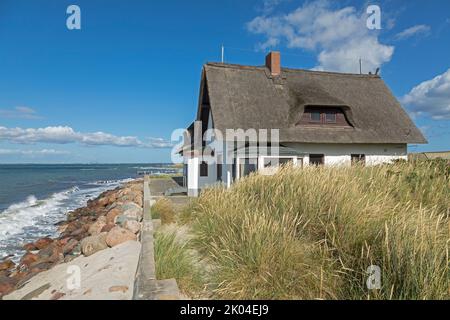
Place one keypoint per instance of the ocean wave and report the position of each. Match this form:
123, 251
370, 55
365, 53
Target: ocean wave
33, 218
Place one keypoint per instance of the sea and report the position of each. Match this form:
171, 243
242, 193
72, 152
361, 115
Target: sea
33, 198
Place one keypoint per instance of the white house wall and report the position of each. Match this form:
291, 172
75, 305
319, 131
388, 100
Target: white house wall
193, 176
340, 154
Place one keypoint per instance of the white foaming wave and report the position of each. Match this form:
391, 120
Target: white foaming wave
31, 219
18, 216
29, 202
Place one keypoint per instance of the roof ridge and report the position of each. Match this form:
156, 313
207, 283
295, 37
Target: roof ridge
247, 67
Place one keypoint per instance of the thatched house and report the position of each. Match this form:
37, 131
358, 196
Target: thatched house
321, 118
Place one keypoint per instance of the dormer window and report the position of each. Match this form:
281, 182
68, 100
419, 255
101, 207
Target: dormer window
316, 116
330, 116
323, 116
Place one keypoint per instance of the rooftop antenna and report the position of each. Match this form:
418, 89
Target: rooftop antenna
223, 53
360, 66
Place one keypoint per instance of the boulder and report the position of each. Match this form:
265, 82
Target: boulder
112, 214
138, 200
119, 235
52, 253
7, 285
6, 265
29, 247
135, 214
70, 246
112, 198
129, 205
120, 220
79, 233
62, 228
41, 266
133, 226
63, 241
93, 244
108, 227
103, 202
42, 243
96, 227
28, 259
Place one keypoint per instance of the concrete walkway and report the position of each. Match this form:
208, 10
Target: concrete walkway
106, 275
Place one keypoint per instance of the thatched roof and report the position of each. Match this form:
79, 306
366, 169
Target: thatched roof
243, 97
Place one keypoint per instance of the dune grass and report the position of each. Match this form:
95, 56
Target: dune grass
312, 233
163, 209
175, 259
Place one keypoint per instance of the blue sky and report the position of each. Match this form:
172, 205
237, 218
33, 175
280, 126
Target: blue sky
116, 89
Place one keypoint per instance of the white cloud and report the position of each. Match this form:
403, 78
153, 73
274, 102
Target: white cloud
269, 5
19, 113
339, 36
420, 29
66, 135
431, 97
43, 152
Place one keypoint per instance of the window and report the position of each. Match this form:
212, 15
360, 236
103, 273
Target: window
358, 159
219, 172
330, 117
322, 115
203, 169
315, 116
276, 162
316, 159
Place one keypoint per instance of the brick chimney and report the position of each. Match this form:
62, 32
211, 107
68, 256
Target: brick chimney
273, 63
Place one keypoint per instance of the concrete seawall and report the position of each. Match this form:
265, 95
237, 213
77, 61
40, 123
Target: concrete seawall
147, 287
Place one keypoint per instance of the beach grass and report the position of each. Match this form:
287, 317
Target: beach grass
312, 233
163, 209
175, 259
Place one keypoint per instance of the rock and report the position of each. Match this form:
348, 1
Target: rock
134, 213
108, 227
103, 202
96, 227
62, 242
42, 243
52, 253
28, 259
112, 198
63, 228
69, 258
112, 214
93, 244
138, 200
129, 205
41, 266
119, 235
120, 220
70, 246
6, 285
7, 265
133, 226
29, 247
